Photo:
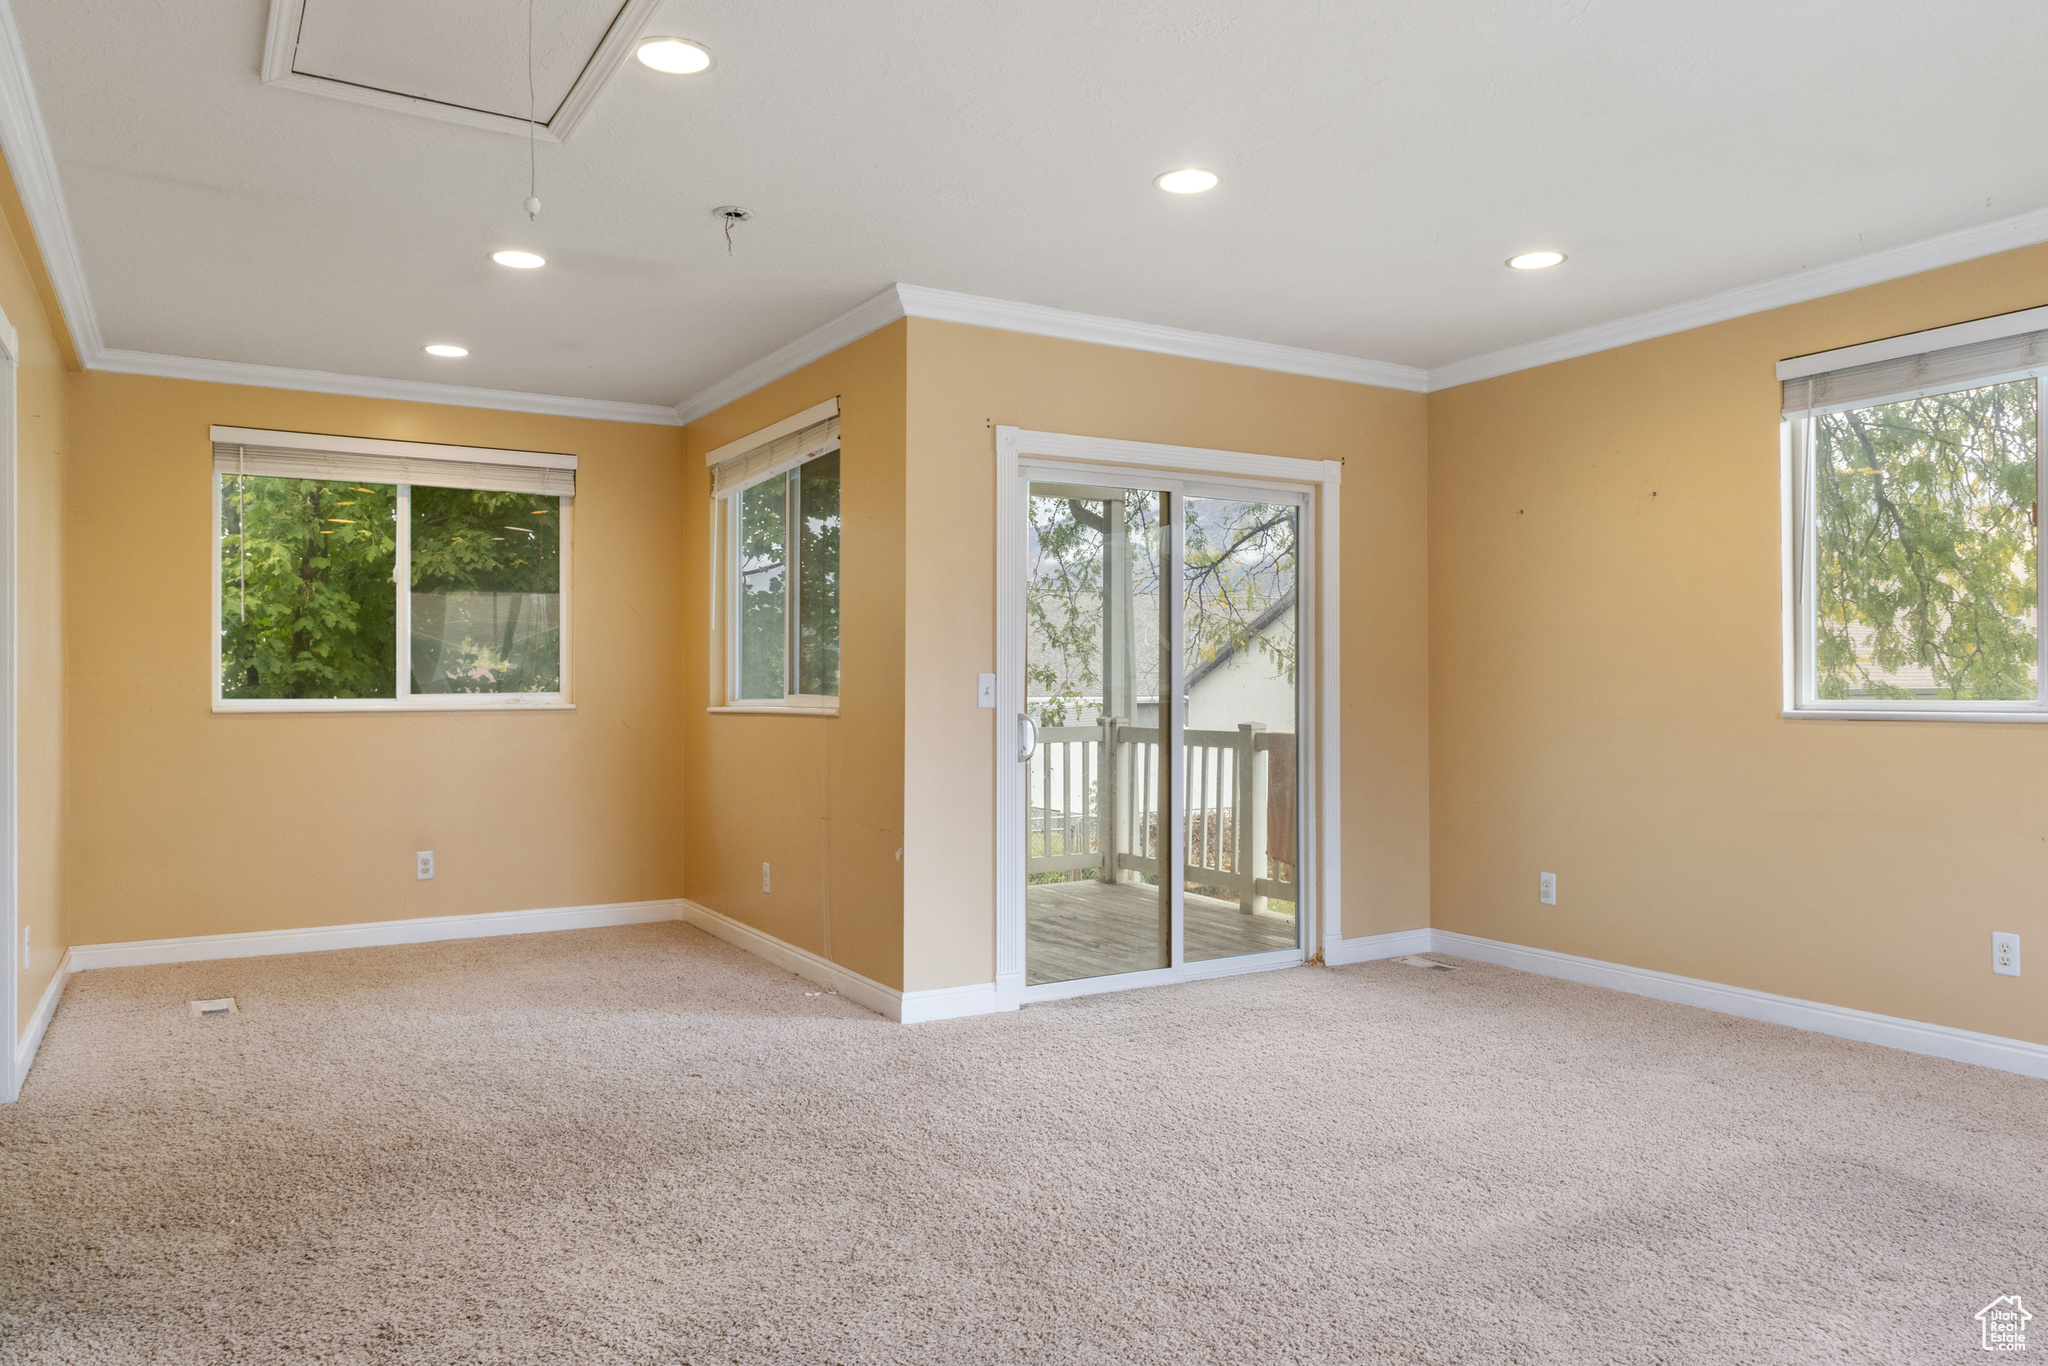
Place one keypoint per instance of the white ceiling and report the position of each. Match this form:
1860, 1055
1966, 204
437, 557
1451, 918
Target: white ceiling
1378, 161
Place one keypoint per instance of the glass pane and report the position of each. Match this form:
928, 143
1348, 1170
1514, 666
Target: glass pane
1098, 802
763, 633
1924, 548
1238, 580
308, 606
486, 592
817, 588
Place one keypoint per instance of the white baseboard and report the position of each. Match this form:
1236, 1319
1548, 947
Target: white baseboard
905, 1007
1911, 1036
951, 1003
865, 991
39, 1024
1367, 947
426, 929
945, 1003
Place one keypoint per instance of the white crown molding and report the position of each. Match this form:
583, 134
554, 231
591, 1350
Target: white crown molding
940, 305
280, 45
917, 301
945, 306
844, 330
1965, 244
370, 386
27, 144
1910, 1036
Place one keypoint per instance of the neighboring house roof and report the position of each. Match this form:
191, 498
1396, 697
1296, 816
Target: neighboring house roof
1253, 630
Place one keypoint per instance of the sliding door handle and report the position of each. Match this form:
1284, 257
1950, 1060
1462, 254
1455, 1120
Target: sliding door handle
1027, 738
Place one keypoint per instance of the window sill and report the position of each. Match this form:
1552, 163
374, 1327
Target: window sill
772, 709
1908, 714
411, 706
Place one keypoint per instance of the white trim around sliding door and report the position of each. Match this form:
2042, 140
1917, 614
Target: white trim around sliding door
14, 1064
1144, 464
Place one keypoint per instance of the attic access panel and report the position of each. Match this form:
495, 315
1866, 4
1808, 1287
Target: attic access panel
461, 61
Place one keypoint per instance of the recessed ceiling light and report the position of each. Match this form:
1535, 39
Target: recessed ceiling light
1187, 180
443, 349
676, 56
1536, 260
519, 260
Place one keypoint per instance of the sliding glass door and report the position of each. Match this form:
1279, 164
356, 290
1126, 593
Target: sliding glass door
1158, 836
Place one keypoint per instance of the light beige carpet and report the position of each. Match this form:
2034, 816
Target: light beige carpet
639, 1145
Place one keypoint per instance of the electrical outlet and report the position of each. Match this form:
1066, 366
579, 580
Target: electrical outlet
1546, 888
426, 858
764, 877
2005, 954
985, 692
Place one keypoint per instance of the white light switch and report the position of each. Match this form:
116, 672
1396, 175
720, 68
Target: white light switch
426, 858
986, 695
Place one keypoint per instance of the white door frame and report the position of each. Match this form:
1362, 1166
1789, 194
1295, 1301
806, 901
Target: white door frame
14, 1066
1143, 463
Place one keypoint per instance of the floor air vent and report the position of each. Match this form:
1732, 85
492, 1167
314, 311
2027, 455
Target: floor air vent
224, 1005
1416, 960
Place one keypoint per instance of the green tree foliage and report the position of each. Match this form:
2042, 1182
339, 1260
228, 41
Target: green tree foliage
817, 564
505, 549
1924, 546
1063, 598
308, 606
1238, 568
763, 624
1240, 560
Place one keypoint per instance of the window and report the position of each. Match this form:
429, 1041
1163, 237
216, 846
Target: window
1915, 557
778, 499
316, 536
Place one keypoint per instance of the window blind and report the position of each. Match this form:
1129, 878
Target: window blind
777, 456
296, 455
1916, 376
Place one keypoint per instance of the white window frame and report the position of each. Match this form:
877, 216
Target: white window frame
1797, 549
725, 578
405, 701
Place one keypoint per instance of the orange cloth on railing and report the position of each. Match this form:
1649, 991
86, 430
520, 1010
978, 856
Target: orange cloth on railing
1280, 799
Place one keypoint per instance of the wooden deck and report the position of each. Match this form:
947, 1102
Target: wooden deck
1095, 929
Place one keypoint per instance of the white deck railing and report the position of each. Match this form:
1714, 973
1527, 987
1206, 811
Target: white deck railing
1094, 803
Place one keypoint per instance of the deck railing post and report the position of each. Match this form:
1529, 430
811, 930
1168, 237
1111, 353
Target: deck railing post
1109, 799
1250, 817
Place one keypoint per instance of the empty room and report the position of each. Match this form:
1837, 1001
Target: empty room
1186, 682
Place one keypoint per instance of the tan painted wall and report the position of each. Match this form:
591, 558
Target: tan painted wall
40, 446
964, 380
194, 823
1605, 690
821, 799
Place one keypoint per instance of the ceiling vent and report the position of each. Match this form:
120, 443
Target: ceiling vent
460, 61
